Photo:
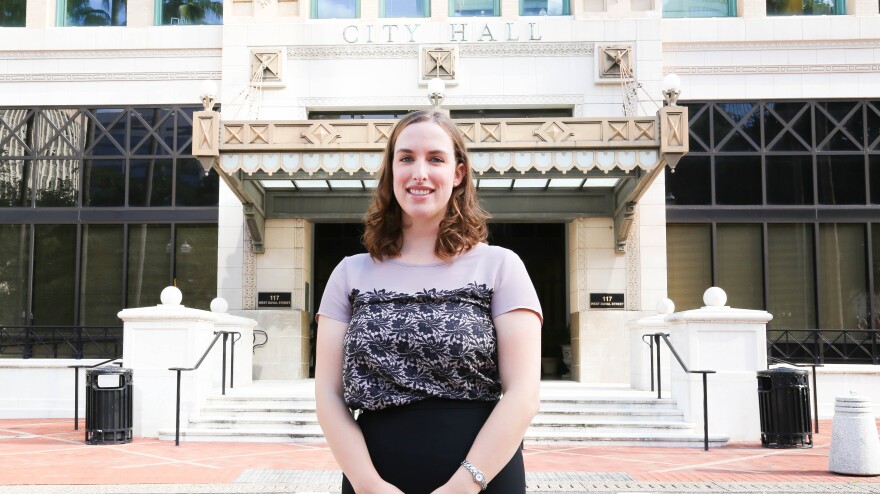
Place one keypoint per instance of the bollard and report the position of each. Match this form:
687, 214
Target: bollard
855, 446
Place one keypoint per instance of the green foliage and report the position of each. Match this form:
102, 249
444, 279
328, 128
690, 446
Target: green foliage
81, 13
12, 13
800, 7
192, 12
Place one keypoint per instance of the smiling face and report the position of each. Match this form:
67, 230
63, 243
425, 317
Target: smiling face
425, 171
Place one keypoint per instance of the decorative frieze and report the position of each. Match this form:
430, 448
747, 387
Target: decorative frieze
573, 49
515, 145
340, 136
104, 54
449, 100
843, 68
469, 50
633, 266
351, 51
111, 77
753, 46
249, 272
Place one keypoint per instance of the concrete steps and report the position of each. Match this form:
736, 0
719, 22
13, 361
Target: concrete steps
571, 413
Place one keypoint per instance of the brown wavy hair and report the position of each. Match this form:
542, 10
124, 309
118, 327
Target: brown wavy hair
464, 224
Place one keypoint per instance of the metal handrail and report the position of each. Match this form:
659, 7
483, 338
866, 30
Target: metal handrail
656, 337
650, 344
217, 334
265, 339
76, 369
815, 386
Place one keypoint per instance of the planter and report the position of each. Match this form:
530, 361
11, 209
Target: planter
549, 366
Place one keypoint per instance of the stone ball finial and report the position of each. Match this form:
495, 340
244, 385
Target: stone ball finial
665, 306
171, 295
715, 297
219, 305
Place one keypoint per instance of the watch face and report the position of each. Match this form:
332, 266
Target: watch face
479, 477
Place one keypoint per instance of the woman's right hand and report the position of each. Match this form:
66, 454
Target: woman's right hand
380, 487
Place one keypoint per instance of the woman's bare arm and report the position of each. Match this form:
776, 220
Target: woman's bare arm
341, 431
519, 364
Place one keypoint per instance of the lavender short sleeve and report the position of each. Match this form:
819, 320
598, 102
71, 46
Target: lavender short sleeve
513, 288
335, 303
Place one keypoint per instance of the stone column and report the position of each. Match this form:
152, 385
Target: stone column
752, 8
732, 342
286, 266
600, 351
157, 338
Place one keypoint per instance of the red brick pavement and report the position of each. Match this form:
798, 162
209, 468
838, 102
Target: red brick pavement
49, 451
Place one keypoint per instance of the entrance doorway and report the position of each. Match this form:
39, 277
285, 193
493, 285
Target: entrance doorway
541, 246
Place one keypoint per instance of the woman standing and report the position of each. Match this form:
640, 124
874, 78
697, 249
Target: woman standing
434, 335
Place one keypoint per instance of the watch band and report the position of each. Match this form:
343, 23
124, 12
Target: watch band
478, 476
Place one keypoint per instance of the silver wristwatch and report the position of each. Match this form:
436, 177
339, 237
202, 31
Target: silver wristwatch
478, 475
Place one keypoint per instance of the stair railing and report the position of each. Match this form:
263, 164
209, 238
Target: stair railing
665, 337
76, 369
217, 335
815, 387
650, 343
265, 339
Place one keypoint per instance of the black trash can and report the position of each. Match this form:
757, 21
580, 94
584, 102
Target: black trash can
784, 403
108, 405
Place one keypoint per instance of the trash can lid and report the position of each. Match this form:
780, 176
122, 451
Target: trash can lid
781, 370
108, 369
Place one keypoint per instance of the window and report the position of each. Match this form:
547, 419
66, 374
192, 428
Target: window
476, 8
699, 8
843, 294
544, 7
12, 13
336, 9
688, 249
792, 287
91, 12
14, 262
806, 7
740, 265
188, 12
101, 157
405, 8
82, 236
101, 275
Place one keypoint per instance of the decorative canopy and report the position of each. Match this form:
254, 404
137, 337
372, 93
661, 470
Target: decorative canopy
247, 154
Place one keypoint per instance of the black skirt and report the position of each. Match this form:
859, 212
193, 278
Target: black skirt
418, 447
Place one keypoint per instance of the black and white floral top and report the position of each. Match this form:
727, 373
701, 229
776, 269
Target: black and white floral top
421, 331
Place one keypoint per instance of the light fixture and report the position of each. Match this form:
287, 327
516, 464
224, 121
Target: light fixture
671, 89
208, 92
436, 88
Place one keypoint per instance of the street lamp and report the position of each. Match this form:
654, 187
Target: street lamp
436, 88
671, 89
208, 92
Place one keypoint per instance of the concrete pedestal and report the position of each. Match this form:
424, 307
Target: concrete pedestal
855, 446
732, 342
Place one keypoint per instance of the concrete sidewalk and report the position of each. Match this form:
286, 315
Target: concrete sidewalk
48, 456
